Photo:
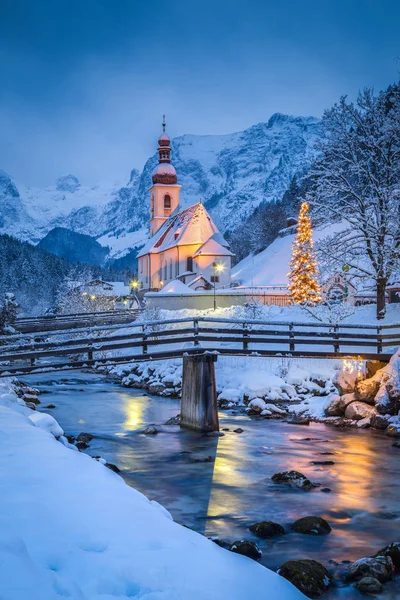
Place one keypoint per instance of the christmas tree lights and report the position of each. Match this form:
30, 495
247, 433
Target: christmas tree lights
303, 277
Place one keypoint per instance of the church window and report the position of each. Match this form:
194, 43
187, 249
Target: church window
165, 270
167, 205
152, 205
177, 268
170, 268
189, 263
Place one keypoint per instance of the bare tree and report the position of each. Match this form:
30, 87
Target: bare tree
356, 181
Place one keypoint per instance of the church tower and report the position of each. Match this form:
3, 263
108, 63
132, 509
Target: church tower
164, 193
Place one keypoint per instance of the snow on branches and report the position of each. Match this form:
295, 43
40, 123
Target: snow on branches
303, 276
356, 181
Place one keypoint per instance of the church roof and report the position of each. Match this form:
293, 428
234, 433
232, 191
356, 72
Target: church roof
216, 245
192, 225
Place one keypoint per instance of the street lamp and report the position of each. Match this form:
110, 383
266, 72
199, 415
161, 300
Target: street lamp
134, 285
218, 268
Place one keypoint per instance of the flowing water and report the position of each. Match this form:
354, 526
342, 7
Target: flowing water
223, 497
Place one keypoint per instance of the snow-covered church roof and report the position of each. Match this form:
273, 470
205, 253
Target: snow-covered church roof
214, 246
192, 225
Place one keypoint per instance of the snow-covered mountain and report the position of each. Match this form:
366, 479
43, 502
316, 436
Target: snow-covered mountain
232, 173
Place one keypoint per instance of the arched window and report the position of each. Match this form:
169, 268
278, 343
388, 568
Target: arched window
189, 264
170, 268
167, 205
165, 270
152, 205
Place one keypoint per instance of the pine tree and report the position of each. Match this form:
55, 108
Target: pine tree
303, 277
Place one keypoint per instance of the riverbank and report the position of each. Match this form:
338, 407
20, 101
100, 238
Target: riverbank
72, 528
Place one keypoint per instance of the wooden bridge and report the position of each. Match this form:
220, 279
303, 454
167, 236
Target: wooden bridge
48, 344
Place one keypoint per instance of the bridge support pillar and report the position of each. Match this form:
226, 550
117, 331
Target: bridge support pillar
199, 393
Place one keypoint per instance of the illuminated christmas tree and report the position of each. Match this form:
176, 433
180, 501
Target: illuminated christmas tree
303, 276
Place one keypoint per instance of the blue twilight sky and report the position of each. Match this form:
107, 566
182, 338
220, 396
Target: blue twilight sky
83, 83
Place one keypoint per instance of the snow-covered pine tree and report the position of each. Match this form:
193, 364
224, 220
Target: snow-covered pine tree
356, 182
8, 312
303, 277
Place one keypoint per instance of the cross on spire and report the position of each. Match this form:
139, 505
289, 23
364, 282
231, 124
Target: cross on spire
163, 123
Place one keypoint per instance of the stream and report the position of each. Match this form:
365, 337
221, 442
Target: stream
223, 497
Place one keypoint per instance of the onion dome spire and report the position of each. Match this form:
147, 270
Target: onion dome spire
164, 172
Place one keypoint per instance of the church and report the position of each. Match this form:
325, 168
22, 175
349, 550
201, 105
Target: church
184, 244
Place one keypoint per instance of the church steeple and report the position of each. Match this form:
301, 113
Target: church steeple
165, 172
164, 194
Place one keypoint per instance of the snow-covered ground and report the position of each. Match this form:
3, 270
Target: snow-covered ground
71, 528
271, 266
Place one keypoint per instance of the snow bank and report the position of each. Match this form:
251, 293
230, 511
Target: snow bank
70, 528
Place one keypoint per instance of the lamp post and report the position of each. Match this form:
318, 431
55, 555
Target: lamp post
134, 285
218, 268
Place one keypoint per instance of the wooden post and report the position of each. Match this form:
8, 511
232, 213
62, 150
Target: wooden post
245, 335
336, 347
196, 331
199, 393
379, 339
144, 338
291, 336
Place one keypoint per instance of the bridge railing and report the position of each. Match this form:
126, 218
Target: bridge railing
174, 337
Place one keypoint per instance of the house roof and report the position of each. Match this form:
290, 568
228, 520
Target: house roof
199, 278
175, 287
104, 288
192, 225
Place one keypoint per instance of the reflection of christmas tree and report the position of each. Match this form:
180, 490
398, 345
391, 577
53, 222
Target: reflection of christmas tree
303, 276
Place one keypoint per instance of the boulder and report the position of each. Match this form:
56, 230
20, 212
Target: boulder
367, 389
31, 398
30, 405
369, 585
221, 543
345, 382
393, 430
293, 479
247, 548
112, 467
393, 551
387, 400
156, 388
335, 405
385, 404
150, 430
174, 420
311, 526
299, 420
358, 410
380, 568
50, 406
331, 406
266, 529
380, 421
198, 458
309, 576
82, 445
84, 437
373, 366
364, 423
238, 430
